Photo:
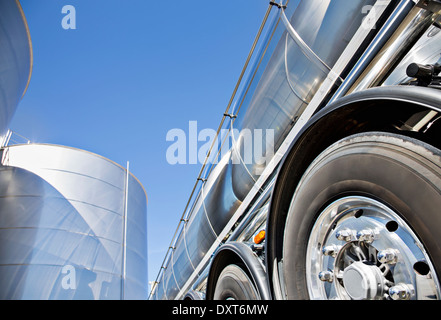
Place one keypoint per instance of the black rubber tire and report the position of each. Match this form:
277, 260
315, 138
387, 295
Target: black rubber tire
398, 171
234, 283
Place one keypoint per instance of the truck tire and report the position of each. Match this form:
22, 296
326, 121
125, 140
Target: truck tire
234, 284
364, 222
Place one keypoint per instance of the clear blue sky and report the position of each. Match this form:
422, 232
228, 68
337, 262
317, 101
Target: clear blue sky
129, 73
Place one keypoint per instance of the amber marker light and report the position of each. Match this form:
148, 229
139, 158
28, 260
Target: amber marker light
258, 239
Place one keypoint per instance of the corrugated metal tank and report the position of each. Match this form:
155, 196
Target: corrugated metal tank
71, 227
279, 92
15, 59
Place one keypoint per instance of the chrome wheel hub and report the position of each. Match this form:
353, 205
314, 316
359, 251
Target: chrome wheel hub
363, 282
360, 249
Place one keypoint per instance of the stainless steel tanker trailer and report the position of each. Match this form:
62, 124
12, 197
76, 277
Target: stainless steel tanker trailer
343, 198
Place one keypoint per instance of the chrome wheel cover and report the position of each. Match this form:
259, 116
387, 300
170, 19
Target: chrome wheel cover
361, 249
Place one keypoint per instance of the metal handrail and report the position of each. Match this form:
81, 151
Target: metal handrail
199, 178
14, 137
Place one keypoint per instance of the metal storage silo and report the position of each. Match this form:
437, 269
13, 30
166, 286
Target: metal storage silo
16, 60
73, 225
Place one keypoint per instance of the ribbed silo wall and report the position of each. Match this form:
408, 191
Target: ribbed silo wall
71, 227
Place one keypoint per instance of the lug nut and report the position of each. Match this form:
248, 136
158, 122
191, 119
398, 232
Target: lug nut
400, 292
367, 236
388, 256
345, 235
331, 251
326, 276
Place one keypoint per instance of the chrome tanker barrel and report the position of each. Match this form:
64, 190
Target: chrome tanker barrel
290, 80
426, 51
15, 60
73, 225
211, 210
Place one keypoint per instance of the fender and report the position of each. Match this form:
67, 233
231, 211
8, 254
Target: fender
234, 253
377, 109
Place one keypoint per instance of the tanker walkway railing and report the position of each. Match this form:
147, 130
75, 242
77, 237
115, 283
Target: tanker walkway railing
206, 167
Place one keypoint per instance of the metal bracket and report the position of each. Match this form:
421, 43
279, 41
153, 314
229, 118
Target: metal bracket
431, 5
425, 75
278, 5
231, 116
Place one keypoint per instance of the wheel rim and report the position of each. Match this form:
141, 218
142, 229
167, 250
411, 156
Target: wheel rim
361, 249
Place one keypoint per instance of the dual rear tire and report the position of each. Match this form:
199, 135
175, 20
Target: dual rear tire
234, 284
364, 222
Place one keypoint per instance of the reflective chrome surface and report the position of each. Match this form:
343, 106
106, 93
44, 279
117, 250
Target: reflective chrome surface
280, 85
362, 250
425, 51
68, 230
15, 59
414, 25
387, 30
290, 80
